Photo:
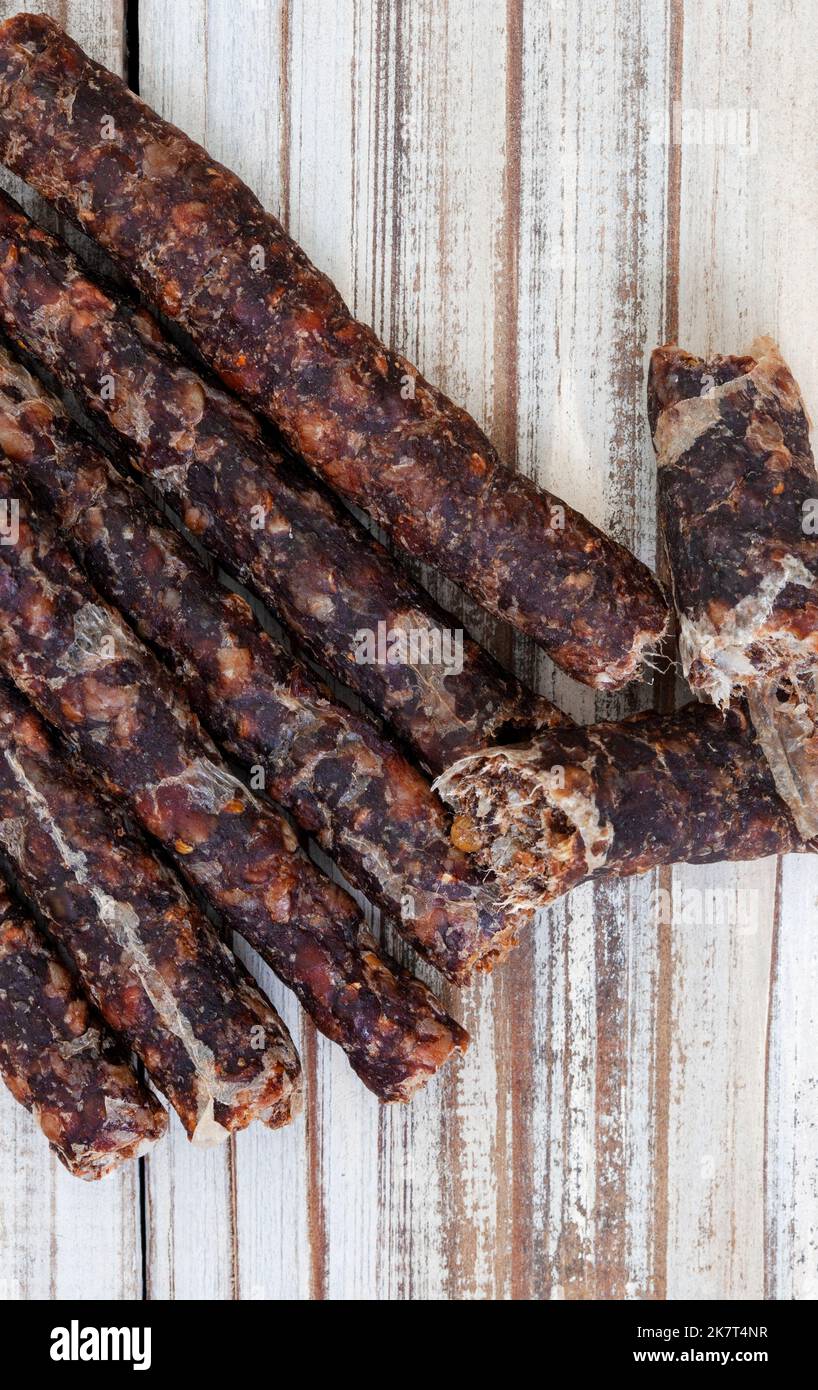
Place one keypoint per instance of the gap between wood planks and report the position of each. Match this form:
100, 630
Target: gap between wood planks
665, 688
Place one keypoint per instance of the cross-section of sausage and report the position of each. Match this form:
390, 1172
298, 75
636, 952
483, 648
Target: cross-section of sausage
352, 608
738, 503
84, 669
60, 1061
200, 246
342, 780
151, 963
619, 799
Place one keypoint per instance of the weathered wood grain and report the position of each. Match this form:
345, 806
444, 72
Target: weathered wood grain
589, 293
425, 203
791, 1168
254, 1239
747, 243
523, 197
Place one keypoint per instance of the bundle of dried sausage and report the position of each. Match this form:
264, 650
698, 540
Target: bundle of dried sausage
86, 672
150, 962
200, 246
260, 514
59, 1060
342, 781
738, 499
618, 799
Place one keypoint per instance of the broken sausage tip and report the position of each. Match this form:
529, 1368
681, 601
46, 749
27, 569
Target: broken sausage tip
738, 505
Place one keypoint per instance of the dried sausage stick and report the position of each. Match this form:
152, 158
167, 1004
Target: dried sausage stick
60, 1061
260, 513
89, 676
738, 499
618, 799
200, 246
151, 963
342, 781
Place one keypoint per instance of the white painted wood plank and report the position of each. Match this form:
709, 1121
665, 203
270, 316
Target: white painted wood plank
747, 252
60, 1238
721, 978
229, 1222
591, 217
382, 1175
272, 1175
216, 70
792, 1106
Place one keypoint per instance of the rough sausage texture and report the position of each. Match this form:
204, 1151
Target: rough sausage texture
738, 497
86, 672
200, 246
618, 799
60, 1061
151, 963
342, 781
259, 513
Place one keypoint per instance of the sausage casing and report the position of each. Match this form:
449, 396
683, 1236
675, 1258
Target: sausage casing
86, 672
59, 1060
342, 780
346, 601
200, 246
619, 798
738, 506
151, 963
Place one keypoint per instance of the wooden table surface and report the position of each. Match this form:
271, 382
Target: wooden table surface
524, 197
